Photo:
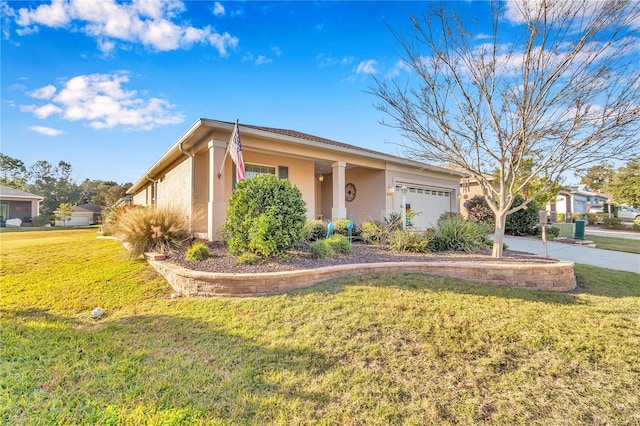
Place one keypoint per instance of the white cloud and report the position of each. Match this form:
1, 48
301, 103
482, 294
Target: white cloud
102, 102
367, 67
47, 131
151, 23
330, 61
263, 60
45, 92
218, 9
276, 50
398, 68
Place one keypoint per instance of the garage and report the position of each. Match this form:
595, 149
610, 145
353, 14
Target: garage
426, 203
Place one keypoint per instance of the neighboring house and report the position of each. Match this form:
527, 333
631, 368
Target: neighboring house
575, 199
17, 204
336, 179
83, 215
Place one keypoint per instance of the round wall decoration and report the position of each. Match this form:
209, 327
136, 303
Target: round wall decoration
349, 192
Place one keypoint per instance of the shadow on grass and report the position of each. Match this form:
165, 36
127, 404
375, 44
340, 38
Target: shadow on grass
157, 364
590, 280
428, 283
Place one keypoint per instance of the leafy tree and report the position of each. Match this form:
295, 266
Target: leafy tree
554, 82
598, 178
625, 187
14, 172
54, 183
63, 212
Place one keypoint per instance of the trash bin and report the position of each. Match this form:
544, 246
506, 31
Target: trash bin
579, 232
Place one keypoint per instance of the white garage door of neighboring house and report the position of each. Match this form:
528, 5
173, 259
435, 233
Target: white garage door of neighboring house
427, 203
75, 221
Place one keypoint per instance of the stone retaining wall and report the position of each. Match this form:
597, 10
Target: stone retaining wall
556, 276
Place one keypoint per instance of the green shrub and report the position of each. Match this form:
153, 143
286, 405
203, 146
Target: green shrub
339, 244
552, 232
458, 234
479, 211
320, 249
523, 221
611, 222
145, 229
197, 253
449, 215
594, 218
561, 217
315, 230
371, 232
408, 241
374, 232
248, 258
636, 225
577, 216
340, 226
266, 216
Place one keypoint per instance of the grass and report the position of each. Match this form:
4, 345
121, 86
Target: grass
374, 349
616, 244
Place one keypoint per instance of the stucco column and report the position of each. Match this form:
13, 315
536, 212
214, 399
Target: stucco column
217, 204
339, 209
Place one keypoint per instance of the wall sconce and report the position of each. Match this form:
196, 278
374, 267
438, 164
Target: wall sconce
321, 178
390, 190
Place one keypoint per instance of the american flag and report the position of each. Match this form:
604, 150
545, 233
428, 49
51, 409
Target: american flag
235, 150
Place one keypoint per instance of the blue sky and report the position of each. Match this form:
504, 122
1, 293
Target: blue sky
108, 86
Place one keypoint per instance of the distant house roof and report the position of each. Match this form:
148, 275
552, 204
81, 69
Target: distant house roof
90, 207
16, 193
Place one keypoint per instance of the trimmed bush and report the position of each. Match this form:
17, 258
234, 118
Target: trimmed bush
636, 225
321, 250
339, 244
479, 211
266, 216
407, 241
151, 230
611, 222
315, 230
197, 253
523, 221
458, 234
248, 259
552, 232
561, 217
372, 232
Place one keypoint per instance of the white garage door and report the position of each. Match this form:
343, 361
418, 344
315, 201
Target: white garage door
427, 203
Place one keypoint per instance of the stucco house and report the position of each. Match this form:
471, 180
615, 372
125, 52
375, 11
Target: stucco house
83, 215
575, 199
17, 204
336, 179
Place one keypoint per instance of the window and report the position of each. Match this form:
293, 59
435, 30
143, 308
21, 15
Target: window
255, 170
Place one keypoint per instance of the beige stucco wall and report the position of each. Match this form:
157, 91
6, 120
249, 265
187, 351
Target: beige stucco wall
370, 194
301, 174
174, 187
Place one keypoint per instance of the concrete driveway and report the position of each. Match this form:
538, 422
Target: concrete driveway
609, 259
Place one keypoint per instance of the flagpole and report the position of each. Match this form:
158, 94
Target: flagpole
235, 128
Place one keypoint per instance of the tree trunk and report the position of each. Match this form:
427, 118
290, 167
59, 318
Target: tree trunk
498, 238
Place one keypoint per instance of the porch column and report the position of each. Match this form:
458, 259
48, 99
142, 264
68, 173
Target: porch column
339, 209
217, 204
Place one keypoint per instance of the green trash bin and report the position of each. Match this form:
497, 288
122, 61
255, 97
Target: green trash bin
579, 232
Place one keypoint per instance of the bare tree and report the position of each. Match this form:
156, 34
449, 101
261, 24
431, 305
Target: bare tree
555, 83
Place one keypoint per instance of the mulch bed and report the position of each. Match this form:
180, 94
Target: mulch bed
223, 262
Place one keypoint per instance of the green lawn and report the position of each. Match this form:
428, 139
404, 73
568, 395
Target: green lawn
615, 244
376, 349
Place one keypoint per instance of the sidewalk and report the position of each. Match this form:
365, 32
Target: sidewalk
609, 259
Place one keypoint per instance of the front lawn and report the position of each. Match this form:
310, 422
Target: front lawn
616, 244
374, 349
